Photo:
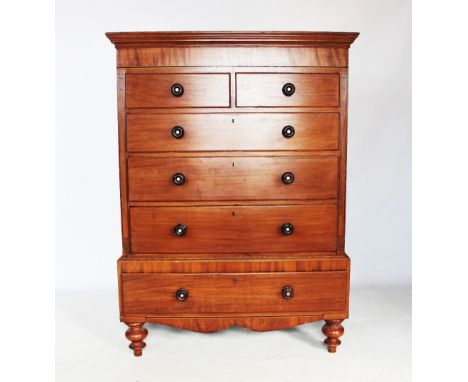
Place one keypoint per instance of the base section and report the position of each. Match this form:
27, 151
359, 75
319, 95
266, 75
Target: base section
216, 324
136, 333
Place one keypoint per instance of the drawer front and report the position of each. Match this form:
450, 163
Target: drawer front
232, 178
222, 132
153, 294
156, 90
223, 229
310, 90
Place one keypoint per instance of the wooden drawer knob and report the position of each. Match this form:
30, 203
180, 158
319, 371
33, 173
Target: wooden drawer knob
177, 90
178, 178
177, 132
182, 294
287, 292
289, 89
288, 131
287, 229
180, 230
287, 178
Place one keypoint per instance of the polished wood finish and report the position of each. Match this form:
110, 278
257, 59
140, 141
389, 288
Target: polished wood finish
150, 49
265, 90
215, 324
235, 132
136, 333
237, 256
200, 90
333, 330
233, 229
142, 56
233, 293
237, 263
229, 38
233, 178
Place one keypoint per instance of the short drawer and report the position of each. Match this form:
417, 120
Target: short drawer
287, 89
177, 90
241, 229
222, 132
232, 178
311, 292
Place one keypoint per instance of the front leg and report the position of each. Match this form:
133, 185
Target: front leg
333, 330
136, 333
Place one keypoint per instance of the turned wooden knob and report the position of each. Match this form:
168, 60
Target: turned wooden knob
288, 131
180, 230
287, 229
182, 294
177, 90
287, 292
177, 132
178, 179
287, 177
289, 89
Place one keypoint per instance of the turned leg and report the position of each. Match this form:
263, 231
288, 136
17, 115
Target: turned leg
136, 333
333, 330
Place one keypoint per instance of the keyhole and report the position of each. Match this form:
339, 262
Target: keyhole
233, 120
232, 164
233, 213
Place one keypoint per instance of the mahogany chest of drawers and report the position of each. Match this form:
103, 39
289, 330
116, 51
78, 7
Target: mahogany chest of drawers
232, 150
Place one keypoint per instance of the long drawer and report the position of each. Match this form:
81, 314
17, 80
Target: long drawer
223, 229
153, 294
220, 132
232, 178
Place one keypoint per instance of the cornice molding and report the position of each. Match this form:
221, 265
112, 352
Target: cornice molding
138, 39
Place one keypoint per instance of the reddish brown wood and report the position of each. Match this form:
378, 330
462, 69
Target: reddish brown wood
240, 178
226, 293
227, 38
153, 56
234, 260
333, 330
233, 229
342, 166
312, 89
215, 324
200, 90
136, 333
242, 263
220, 132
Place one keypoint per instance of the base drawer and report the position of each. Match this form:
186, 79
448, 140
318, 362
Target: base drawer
153, 294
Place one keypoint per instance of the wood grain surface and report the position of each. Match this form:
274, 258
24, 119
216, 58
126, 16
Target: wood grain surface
237, 132
265, 89
200, 90
233, 292
150, 56
233, 229
232, 178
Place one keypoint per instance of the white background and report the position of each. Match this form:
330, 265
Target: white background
379, 156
